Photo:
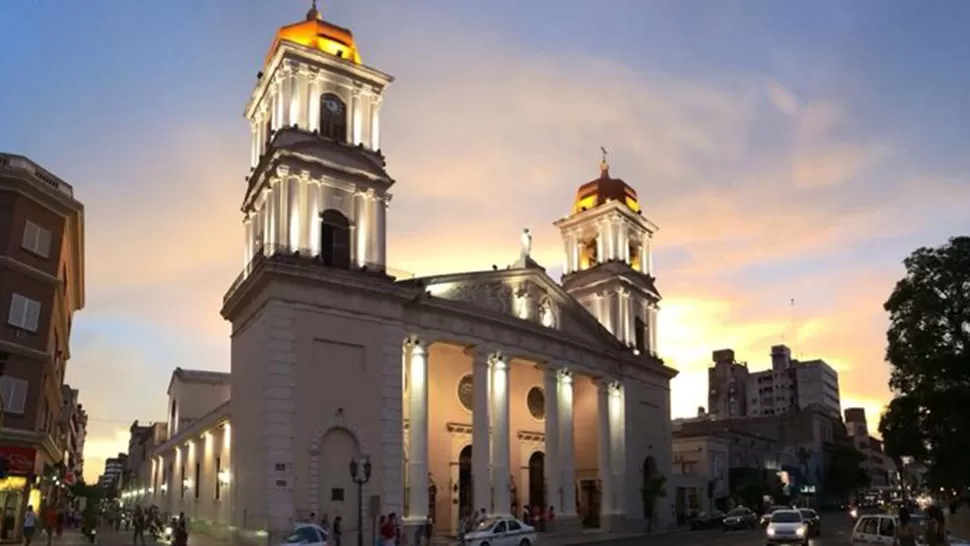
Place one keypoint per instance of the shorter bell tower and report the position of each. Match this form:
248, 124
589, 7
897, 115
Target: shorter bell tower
608, 265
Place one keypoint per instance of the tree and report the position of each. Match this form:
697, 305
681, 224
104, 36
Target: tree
928, 341
844, 473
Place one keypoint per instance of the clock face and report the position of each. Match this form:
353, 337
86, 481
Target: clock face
332, 105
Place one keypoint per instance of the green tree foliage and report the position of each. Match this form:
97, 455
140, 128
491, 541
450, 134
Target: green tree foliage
844, 473
928, 341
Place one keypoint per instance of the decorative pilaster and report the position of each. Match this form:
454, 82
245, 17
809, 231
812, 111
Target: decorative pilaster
248, 251
552, 467
418, 432
380, 227
360, 233
357, 118
315, 198
566, 446
301, 80
313, 103
481, 433
648, 252
617, 406
375, 123
500, 440
653, 329
605, 450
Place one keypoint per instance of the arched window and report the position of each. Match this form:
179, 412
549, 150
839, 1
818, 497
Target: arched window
547, 316
333, 117
335, 239
640, 334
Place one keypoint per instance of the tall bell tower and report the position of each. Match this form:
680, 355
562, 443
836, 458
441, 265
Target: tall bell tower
608, 266
317, 184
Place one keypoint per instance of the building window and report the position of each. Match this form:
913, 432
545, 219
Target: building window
24, 313
335, 239
546, 315
196, 482
640, 334
36, 239
333, 117
182, 474
535, 400
337, 494
14, 392
218, 473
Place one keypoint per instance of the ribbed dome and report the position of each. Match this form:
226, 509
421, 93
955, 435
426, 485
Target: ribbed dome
315, 33
603, 190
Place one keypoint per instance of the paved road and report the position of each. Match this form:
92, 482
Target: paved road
836, 531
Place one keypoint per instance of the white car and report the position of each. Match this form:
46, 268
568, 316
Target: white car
306, 534
880, 529
501, 531
786, 527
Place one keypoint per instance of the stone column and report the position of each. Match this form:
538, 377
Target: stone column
648, 250
253, 152
314, 199
248, 251
294, 220
481, 433
418, 432
356, 117
359, 239
566, 445
500, 439
601, 241
622, 298
375, 124
552, 468
380, 226
313, 104
618, 434
653, 330
301, 81
605, 449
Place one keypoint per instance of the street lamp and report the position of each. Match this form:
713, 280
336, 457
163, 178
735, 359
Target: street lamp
360, 478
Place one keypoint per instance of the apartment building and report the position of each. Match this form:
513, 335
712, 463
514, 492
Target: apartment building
142, 441
880, 467
73, 428
788, 385
41, 287
114, 472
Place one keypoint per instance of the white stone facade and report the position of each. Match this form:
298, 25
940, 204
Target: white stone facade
495, 389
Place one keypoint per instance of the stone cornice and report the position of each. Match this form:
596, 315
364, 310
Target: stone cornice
608, 212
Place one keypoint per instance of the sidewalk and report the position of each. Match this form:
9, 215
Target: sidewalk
959, 524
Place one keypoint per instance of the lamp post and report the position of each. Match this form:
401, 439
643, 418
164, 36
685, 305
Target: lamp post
360, 473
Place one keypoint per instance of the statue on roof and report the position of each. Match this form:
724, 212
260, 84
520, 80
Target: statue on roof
526, 244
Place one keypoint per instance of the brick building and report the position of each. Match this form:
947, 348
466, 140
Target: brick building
41, 286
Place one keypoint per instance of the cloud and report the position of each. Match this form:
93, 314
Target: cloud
741, 175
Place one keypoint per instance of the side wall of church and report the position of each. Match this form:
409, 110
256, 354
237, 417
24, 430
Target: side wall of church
647, 411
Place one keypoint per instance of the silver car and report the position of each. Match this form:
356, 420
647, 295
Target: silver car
786, 527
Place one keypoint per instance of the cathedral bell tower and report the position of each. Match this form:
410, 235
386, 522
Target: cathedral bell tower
608, 266
317, 184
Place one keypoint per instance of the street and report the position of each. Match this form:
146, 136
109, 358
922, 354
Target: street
836, 531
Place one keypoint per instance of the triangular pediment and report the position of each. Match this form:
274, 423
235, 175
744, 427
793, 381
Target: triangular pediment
522, 294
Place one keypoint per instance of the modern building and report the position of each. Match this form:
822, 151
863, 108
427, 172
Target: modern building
41, 287
483, 390
114, 472
881, 469
789, 385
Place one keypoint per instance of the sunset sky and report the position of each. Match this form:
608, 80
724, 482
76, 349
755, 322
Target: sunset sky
784, 151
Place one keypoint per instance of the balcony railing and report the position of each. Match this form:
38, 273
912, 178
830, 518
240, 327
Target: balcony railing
285, 254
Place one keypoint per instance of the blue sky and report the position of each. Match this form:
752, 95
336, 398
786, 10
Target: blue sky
786, 149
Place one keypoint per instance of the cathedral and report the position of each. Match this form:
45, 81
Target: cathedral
495, 390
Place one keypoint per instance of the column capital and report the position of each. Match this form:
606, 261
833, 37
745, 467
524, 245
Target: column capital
305, 175
480, 355
282, 170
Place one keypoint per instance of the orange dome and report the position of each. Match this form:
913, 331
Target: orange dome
604, 189
315, 33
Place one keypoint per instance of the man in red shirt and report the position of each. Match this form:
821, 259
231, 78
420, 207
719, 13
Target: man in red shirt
49, 516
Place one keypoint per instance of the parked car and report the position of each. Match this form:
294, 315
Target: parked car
306, 534
740, 518
501, 531
861, 510
786, 527
707, 520
880, 529
813, 520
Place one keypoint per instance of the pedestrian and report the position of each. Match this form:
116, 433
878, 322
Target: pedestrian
49, 515
936, 534
30, 524
388, 531
138, 522
429, 530
338, 523
380, 526
904, 533
181, 531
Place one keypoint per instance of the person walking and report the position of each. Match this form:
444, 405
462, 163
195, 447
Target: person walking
936, 527
138, 523
338, 531
49, 515
905, 533
30, 525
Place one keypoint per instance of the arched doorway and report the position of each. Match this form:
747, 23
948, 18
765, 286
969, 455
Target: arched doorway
465, 482
335, 239
537, 479
338, 493
651, 488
